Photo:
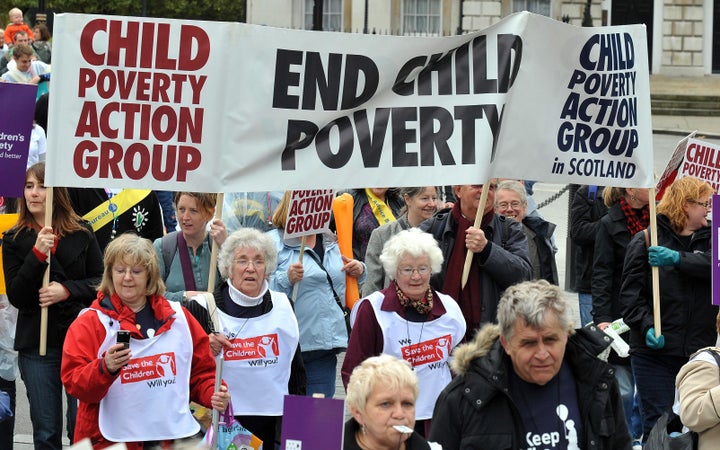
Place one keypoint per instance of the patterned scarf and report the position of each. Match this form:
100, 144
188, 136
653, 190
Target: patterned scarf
635, 223
423, 306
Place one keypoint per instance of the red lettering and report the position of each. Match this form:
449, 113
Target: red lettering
86, 42
162, 51
88, 122
189, 160
105, 127
87, 80
188, 35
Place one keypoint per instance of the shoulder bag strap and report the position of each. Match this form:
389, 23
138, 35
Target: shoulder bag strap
188, 276
330, 282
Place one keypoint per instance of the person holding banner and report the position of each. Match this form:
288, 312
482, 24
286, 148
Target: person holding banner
381, 395
511, 201
683, 257
75, 269
372, 207
500, 254
259, 333
320, 281
420, 205
409, 319
628, 213
137, 394
185, 255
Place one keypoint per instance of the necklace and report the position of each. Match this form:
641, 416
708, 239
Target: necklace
113, 208
413, 347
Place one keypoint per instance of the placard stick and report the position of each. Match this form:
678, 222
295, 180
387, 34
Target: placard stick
215, 413
654, 271
213, 253
478, 222
300, 259
46, 276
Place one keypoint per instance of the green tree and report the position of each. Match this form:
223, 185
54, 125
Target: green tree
222, 10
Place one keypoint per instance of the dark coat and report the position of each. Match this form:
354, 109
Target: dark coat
686, 311
144, 219
585, 211
77, 264
505, 263
475, 411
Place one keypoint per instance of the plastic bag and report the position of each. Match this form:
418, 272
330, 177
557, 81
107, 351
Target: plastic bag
660, 438
232, 435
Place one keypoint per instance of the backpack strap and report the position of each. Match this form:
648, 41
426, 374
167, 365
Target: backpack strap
169, 248
592, 192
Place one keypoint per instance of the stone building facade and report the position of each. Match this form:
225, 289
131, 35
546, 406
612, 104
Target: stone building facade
682, 39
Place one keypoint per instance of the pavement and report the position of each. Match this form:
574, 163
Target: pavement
707, 127
708, 86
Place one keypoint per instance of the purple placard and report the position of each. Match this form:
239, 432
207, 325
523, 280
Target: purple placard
312, 423
715, 250
16, 120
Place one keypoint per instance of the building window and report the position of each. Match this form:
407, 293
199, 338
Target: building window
421, 17
534, 6
332, 15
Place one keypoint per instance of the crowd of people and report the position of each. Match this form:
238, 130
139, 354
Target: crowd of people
138, 309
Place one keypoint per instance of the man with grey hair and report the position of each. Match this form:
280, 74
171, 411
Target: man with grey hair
530, 382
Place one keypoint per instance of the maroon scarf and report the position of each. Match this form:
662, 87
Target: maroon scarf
469, 298
635, 222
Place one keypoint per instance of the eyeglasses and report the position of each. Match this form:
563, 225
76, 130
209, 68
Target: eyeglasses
705, 205
244, 263
408, 271
133, 271
505, 205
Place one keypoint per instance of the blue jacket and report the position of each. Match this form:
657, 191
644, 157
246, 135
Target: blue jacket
321, 322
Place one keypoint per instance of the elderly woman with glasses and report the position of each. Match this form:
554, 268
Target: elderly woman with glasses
409, 319
137, 392
683, 257
258, 334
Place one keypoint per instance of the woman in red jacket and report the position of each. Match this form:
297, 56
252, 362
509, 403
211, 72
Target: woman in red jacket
137, 394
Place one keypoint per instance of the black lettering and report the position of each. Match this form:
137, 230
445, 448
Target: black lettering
284, 78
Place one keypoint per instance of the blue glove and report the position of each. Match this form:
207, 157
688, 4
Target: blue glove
655, 343
663, 256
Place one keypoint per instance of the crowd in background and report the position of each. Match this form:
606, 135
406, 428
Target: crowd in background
145, 266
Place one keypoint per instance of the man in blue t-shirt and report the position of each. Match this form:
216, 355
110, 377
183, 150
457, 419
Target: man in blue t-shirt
531, 382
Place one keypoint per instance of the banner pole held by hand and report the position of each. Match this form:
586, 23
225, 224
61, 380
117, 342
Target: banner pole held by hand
654, 270
300, 260
477, 224
218, 382
46, 276
213, 253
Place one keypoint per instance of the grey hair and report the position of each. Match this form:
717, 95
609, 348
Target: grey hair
412, 242
249, 238
383, 370
530, 301
515, 186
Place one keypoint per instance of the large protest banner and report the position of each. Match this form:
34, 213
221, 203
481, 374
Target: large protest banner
222, 107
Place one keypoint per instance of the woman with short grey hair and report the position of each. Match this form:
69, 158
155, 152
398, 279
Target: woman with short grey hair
258, 333
409, 319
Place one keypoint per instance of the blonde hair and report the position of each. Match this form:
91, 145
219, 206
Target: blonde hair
386, 370
677, 195
279, 218
129, 248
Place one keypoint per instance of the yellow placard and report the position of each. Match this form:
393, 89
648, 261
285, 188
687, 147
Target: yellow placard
6, 222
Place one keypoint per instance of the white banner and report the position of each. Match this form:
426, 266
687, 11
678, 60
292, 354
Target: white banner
701, 160
223, 107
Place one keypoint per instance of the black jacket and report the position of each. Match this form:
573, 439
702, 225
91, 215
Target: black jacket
145, 218
298, 379
504, 261
686, 313
538, 232
585, 211
77, 264
475, 411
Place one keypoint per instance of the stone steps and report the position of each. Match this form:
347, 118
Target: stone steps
685, 105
